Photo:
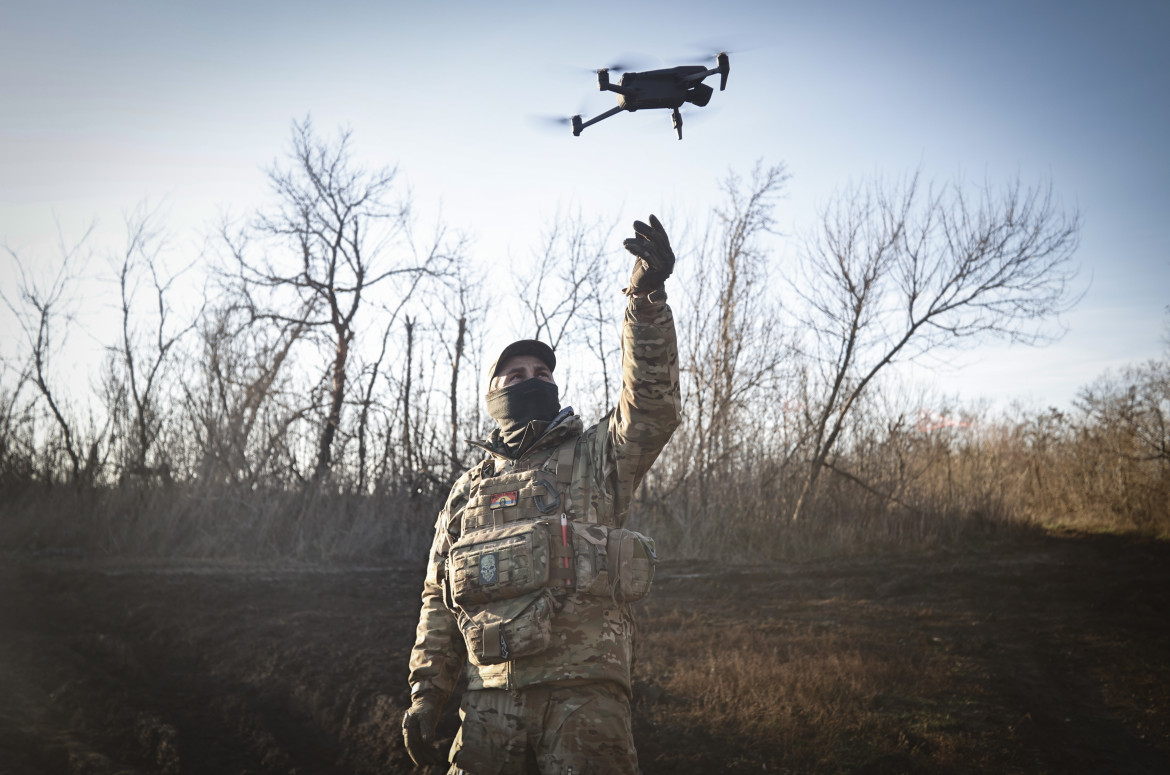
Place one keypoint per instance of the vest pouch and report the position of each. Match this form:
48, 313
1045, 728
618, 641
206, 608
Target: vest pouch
613, 562
507, 629
632, 559
591, 558
499, 563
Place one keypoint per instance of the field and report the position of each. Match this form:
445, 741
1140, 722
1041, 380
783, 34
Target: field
1049, 654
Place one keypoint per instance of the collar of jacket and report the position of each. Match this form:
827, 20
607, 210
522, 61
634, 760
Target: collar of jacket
565, 424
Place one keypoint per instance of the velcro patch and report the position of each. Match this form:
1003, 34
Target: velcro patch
489, 569
501, 500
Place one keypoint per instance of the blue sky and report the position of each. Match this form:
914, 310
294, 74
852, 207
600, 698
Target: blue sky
107, 104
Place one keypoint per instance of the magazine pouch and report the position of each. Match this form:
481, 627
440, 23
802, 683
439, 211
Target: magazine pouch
507, 629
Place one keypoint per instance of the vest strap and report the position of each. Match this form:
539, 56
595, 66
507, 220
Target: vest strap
565, 455
491, 640
477, 475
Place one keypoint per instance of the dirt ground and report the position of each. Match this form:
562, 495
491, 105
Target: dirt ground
1047, 656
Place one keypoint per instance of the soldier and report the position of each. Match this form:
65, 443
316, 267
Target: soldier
531, 570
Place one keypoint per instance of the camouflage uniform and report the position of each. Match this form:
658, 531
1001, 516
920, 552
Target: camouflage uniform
592, 637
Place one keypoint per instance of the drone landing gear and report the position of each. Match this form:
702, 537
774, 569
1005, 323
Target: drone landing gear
676, 122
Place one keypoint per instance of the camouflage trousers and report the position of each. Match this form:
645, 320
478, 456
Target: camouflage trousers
545, 729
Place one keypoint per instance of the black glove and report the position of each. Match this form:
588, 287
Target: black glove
655, 258
418, 729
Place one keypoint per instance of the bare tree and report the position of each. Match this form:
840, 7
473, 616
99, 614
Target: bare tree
571, 292
1133, 410
141, 359
17, 442
456, 323
44, 314
453, 263
741, 350
561, 282
899, 271
324, 246
732, 351
237, 420
600, 315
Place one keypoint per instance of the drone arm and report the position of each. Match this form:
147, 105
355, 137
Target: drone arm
579, 125
603, 84
723, 69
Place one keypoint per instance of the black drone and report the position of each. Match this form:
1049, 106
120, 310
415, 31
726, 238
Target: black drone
668, 88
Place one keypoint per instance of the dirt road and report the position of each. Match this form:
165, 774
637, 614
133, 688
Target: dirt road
1049, 656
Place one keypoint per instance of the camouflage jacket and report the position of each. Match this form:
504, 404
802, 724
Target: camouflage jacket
592, 638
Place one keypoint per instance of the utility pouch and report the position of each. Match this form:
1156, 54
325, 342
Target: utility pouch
507, 629
613, 562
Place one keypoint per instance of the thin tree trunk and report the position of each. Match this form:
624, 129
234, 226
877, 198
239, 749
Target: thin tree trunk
337, 396
454, 452
407, 445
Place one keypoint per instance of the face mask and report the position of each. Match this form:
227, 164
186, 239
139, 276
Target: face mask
515, 406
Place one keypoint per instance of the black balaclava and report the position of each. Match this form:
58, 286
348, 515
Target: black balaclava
523, 412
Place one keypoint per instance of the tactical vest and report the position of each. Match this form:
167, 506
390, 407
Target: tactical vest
522, 549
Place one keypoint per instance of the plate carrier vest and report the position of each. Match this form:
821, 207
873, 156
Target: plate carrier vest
521, 540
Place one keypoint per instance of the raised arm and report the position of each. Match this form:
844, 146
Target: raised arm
649, 408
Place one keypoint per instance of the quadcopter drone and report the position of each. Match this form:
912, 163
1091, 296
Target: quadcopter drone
668, 88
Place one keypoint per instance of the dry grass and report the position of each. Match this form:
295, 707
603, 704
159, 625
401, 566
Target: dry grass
911, 665
818, 696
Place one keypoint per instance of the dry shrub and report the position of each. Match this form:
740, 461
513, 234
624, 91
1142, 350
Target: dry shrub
954, 481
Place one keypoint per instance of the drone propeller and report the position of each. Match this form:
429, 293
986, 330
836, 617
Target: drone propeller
709, 49
551, 121
627, 63
622, 67
588, 106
